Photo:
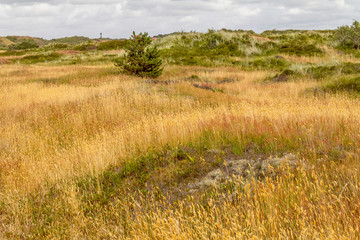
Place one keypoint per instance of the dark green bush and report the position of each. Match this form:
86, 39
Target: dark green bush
141, 59
13, 53
350, 68
322, 72
203, 49
284, 76
348, 36
24, 44
274, 63
112, 45
211, 40
268, 48
55, 46
75, 40
300, 46
12, 38
351, 85
85, 47
40, 58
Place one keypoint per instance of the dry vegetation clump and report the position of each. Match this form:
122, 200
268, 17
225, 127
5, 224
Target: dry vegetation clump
88, 153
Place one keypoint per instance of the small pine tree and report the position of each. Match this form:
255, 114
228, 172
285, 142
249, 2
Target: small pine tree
140, 59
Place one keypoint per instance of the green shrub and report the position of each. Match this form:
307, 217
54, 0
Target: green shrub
24, 44
211, 40
267, 48
75, 40
274, 63
300, 46
141, 59
194, 77
39, 58
12, 38
351, 85
54, 46
209, 49
284, 76
13, 53
348, 36
322, 72
112, 45
350, 68
85, 47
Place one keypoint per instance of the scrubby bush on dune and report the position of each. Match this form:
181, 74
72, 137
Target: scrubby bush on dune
262, 63
85, 47
221, 46
75, 40
55, 46
112, 45
198, 49
40, 58
346, 84
321, 72
25, 44
300, 46
326, 71
13, 53
348, 36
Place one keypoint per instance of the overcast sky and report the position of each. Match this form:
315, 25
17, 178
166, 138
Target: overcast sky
118, 18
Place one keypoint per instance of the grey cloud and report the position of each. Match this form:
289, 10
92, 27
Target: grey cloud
118, 18
57, 2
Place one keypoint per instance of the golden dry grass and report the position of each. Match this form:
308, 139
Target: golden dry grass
55, 131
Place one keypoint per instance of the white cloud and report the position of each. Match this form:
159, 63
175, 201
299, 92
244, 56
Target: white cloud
118, 18
246, 11
296, 11
187, 19
4, 9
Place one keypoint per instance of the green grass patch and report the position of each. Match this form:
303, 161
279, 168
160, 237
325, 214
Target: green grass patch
85, 47
263, 63
323, 72
75, 40
300, 46
112, 45
14, 53
41, 58
349, 85
56, 46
